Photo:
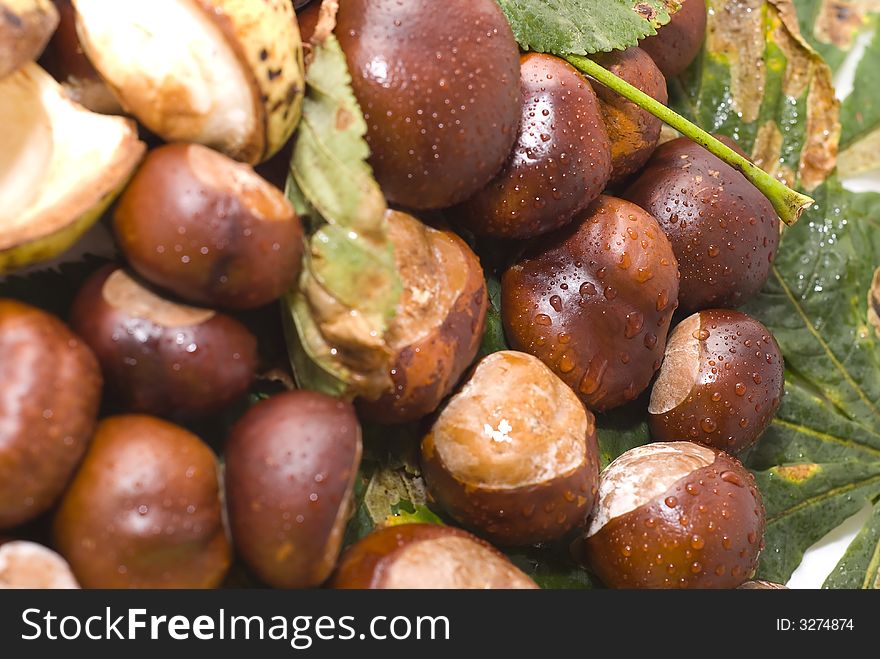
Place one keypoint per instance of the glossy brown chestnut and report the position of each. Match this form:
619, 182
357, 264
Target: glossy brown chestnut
678, 43
594, 302
725, 233
439, 324
291, 462
426, 556
209, 229
144, 510
513, 455
26, 564
720, 384
437, 83
49, 398
633, 132
157, 355
676, 515
560, 162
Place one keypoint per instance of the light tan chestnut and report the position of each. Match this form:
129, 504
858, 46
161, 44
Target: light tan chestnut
224, 73
675, 515
144, 510
426, 556
720, 384
26, 564
25, 28
513, 455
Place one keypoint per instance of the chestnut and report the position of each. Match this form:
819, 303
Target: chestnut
725, 233
439, 323
437, 83
159, 356
594, 302
209, 229
291, 462
560, 162
678, 43
144, 510
426, 556
675, 515
513, 455
26, 564
720, 384
49, 398
633, 132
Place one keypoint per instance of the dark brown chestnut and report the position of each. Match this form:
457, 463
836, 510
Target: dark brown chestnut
291, 462
159, 356
725, 233
49, 398
29, 565
633, 132
513, 455
209, 229
678, 43
437, 83
426, 556
594, 302
439, 324
720, 384
560, 162
675, 515
144, 510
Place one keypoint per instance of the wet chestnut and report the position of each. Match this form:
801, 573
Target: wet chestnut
291, 462
49, 398
594, 302
560, 162
209, 229
675, 515
720, 384
26, 564
678, 43
633, 132
144, 510
437, 83
426, 556
725, 233
157, 355
513, 455
439, 324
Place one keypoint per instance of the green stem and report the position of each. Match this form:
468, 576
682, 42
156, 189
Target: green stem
788, 203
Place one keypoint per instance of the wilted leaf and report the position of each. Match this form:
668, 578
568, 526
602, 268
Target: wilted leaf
860, 116
760, 83
582, 27
831, 26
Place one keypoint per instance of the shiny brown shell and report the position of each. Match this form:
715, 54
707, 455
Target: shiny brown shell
594, 302
678, 43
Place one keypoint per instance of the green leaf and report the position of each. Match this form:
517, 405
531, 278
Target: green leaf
760, 83
582, 27
622, 429
493, 339
860, 116
831, 26
337, 317
860, 566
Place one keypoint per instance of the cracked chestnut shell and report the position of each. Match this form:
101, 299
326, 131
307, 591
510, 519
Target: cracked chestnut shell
720, 384
426, 556
160, 356
439, 324
725, 233
49, 398
675, 515
632, 131
438, 86
560, 162
209, 229
291, 462
144, 510
513, 455
678, 43
594, 302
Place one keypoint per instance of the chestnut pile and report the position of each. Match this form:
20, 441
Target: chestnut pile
598, 236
